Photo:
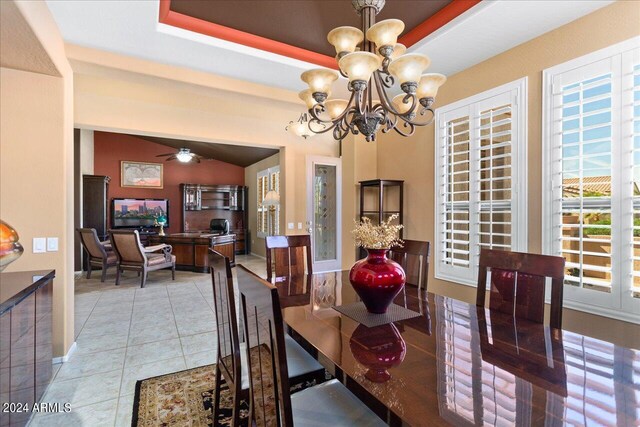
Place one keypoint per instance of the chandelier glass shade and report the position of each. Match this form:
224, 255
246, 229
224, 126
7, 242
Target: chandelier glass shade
373, 61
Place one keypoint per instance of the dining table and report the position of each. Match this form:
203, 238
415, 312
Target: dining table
454, 363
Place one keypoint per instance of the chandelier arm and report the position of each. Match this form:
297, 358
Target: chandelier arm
384, 98
411, 126
428, 122
320, 123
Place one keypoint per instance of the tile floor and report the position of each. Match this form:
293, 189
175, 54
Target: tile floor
127, 333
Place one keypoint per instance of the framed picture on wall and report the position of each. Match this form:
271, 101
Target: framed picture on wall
140, 174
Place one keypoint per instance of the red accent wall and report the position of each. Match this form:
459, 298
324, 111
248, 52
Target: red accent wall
111, 148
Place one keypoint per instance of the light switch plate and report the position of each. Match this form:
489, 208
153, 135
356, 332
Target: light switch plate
52, 244
290, 226
39, 245
299, 226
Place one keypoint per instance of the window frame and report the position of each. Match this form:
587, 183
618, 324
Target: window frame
619, 56
517, 91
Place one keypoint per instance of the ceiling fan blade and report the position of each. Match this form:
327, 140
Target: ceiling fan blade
173, 157
196, 158
168, 154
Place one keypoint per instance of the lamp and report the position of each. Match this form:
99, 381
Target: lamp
300, 127
271, 200
373, 64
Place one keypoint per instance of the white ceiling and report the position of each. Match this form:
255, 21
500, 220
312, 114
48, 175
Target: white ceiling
131, 28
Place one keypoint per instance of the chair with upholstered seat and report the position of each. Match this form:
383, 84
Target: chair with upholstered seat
286, 256
231, 360
272, 404
517, 284
413, 256
100, 253
133, 256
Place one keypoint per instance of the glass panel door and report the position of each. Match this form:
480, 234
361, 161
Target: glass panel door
324, 211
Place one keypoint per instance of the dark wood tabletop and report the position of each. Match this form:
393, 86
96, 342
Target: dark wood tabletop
462, 365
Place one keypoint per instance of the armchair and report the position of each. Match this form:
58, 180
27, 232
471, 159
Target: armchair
133, 256
100, 253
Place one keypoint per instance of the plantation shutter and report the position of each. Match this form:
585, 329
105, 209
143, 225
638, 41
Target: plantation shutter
481, 177
592, 152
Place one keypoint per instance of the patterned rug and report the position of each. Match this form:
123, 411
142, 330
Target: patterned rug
182, 398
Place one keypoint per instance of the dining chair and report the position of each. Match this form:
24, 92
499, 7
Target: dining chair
100, 254
517, 284
271, 403
231, 359
133, 256
413, 256
286, 255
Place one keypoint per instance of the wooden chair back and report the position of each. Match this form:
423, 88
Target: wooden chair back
226, 321
413, 256
517, 284
127, 245
91, 243
266, 355
286, 255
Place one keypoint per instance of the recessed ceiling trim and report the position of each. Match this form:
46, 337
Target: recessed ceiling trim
190, 23
437, 21
169, 17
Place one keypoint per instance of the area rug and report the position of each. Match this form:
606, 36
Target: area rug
182, 398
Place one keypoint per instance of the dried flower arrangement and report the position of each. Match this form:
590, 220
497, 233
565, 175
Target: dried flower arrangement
383, 236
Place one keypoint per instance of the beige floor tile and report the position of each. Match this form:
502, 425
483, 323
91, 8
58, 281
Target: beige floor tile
198, 343
152, 352
85, 390
132, 374
90, 364
200, 359
125, 411
101, 414
93, 344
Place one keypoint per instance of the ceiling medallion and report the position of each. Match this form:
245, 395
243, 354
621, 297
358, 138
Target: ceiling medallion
371, 58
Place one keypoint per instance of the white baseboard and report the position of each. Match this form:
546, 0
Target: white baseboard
66, 357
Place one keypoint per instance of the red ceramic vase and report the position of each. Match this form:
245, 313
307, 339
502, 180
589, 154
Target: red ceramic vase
378, 349
377, 280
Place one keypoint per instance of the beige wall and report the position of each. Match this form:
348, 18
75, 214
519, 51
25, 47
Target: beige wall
36, 159
121, 94
413, 159
250, 178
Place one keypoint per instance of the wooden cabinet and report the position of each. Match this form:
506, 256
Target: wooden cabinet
26, 349
192, 249
202, 203
95, 203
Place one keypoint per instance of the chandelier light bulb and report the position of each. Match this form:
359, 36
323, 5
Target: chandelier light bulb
335, 107
407, 69
307, 96
319, 80
359, 66
429, 85
385, 33
399, 105
345, 39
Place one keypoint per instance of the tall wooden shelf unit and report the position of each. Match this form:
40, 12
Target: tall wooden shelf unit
379, 199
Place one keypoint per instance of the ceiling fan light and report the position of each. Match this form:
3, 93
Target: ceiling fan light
429, 85
359, 66
183, 156
385, 33
336, 107
319, 80
408, 68
345, 39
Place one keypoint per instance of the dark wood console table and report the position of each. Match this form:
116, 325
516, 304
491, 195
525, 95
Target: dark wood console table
192, 249
26, 348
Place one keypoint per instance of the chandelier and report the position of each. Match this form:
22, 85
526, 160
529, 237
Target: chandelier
371, 59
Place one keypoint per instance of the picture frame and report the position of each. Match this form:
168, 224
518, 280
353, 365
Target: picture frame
141, 175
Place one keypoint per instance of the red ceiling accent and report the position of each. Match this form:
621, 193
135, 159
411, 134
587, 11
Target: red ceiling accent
437, 21
169, 17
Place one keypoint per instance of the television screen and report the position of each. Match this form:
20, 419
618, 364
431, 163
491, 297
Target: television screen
138, 213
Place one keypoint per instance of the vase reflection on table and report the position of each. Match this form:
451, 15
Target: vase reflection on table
378, 349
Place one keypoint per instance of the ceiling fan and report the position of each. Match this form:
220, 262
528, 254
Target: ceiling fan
183, 155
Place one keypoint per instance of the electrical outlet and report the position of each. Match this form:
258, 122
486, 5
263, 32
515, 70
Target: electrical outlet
52, 244
39, 245
299, 226
290, 226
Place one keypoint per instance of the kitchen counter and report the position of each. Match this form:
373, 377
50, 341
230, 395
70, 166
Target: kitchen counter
192, 249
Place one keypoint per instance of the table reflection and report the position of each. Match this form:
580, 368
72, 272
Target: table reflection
378, 349
493, 371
